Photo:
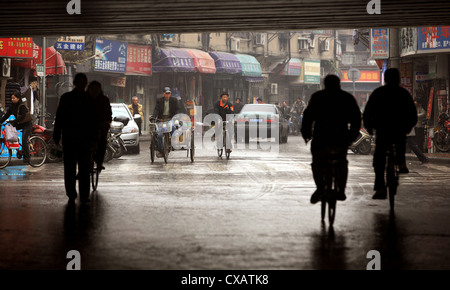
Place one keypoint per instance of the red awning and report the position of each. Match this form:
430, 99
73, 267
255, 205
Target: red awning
203, 62
54, 62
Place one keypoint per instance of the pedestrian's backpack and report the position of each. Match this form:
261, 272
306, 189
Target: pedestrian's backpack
11, 134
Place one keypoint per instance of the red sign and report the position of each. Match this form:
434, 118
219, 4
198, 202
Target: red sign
367, 76
139, 60
16, 47
119, 82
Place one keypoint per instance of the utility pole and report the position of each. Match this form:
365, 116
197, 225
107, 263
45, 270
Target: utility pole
43, 96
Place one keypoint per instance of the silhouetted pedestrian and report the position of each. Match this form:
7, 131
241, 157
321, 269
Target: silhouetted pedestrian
74, 122
337, 120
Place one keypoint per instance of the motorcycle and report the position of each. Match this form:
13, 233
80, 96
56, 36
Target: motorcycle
54, 151
441, 138
362, 144
115, 147
294, 124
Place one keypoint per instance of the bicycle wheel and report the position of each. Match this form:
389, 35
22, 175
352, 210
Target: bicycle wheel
5, 154
52, 150
94, 178
392, 183
108, 154
331, 208
38, 151
192, 149
165, 146
153, 148
323, 208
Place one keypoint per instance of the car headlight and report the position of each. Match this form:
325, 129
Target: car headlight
128, 130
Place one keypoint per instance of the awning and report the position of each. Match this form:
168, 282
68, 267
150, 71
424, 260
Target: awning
250, 65
54, 61
203, 62
292, 68
226, 63
173, 60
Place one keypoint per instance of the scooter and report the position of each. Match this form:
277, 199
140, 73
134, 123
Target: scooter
363, 144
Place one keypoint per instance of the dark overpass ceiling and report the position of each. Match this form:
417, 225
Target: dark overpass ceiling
50, 18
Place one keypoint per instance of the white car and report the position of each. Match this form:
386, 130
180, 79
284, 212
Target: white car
130, 132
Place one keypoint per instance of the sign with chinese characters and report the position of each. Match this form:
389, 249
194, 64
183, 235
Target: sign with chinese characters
40, 70
70, 43
379, 43
139, 60
408, 41
16, 47
367, 76
433, 38
311, 71
406, 74
118, 82
110, 56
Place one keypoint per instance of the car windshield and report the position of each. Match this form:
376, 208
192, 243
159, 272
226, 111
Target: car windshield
258, 108
120, 111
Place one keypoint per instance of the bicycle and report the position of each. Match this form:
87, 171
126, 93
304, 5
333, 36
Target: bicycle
224, 140
329, 195
95, 172
37, 149
392, 177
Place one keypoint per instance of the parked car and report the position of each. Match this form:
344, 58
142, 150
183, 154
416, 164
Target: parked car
130, 132
252, 115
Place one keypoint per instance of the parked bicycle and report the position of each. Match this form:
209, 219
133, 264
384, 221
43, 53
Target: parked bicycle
37, 149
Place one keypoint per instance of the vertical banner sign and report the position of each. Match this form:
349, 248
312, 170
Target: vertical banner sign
110, 56
70, 43
430, 106
433, 38
139, 60
17, 47
379, 43
312, 71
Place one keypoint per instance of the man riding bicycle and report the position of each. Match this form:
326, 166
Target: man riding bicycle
222, 107
391, 112
165, 108
331, 111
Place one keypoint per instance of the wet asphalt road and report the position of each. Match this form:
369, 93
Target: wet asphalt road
251, 212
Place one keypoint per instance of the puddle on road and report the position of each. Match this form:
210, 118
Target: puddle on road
13, 173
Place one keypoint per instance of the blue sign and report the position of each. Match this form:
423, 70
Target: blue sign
69, 46
110, 56
433, 38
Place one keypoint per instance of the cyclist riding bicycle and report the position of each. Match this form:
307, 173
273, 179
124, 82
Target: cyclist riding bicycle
222, 107
22, 121
165, 109
331, 111
391, 112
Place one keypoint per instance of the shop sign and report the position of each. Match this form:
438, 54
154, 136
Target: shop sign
434, 38
118, 82
408, 41
110, 56
420, 77
70, 43
16, 47
379, 43
311, 71
139, 60
367, 76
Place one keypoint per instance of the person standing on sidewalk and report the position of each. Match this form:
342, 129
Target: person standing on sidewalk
412, 137
136, 108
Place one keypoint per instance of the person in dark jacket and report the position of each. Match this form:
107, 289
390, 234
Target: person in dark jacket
73, 122
390, 112
22, 121
103, 114
165, 109
238, 106
222, 107
337, 120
